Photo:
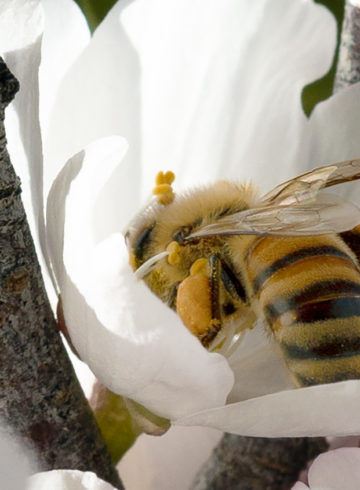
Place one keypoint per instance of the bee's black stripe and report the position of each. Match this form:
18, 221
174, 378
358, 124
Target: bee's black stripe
295, 256
311, 293
327, 377
334, 348
352, 239
345, 307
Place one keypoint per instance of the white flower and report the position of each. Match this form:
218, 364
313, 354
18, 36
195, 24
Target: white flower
17, 464
67, 480
208, 89
334, 470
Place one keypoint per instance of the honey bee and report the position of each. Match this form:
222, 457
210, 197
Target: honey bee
223, 257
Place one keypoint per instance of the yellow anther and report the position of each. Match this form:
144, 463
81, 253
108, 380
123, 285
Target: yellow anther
165, 178
163, 190
200, 266
174, 250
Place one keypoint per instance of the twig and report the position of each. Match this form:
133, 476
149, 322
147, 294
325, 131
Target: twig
245, 463
348, 68
40, 397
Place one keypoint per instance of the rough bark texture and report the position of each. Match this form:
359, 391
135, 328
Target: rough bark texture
348, 68
40, 397
246, 463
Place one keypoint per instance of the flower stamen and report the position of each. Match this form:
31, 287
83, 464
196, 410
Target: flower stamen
148, 266
174, 251
163, 190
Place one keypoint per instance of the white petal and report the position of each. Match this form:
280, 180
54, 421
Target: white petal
84, 375
268, 147
20, 22
293, 413
66, 33
300, 486
336, 470
92, 96
133, 343
87, 173
21, 26
170, 461
67, 480
258, 367
206, 88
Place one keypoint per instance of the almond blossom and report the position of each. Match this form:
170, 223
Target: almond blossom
66, 480
209, 90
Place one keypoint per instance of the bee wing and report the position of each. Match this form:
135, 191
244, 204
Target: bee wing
307, 185
327, 214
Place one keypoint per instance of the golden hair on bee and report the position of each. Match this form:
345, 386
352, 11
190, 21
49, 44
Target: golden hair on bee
223, 257
204, 205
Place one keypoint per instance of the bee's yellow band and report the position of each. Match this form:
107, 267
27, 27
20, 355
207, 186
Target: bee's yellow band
174, 250
132, 259
163, 190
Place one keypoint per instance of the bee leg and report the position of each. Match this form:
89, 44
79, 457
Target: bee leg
231, 283
214, 284
171, 302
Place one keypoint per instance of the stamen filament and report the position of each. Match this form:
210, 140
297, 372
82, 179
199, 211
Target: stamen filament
147, 266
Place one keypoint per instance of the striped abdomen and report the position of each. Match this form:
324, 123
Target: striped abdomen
309, 291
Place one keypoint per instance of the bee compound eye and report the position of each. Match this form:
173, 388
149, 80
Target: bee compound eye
141, 241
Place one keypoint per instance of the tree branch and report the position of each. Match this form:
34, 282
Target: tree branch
254, 463
348, 68
40, 397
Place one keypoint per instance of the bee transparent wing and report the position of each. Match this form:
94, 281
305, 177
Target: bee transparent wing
306, 186
327, 214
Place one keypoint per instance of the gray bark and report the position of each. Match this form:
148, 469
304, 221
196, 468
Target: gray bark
245, 463
348, 67
40, 397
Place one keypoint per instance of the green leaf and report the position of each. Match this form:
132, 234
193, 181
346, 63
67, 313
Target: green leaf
322, 88
95, 10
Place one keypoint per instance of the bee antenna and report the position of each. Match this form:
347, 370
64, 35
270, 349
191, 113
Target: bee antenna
147, 266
